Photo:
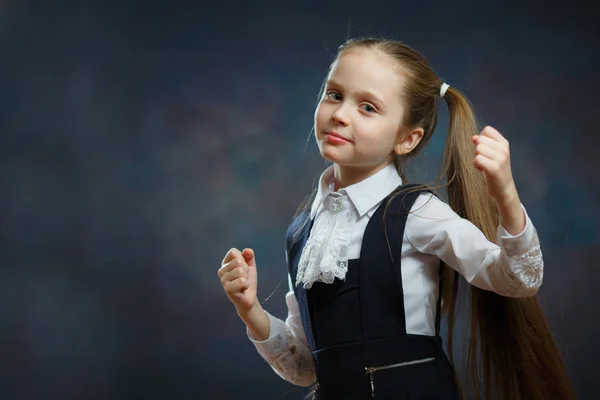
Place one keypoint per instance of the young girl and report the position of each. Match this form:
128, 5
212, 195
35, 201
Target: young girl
367, 256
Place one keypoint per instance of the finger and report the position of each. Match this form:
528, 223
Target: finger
492, 133
235, 263
236, 286
500, 149
485, 164
490, 142
489, 152
231, 254
249, 257
225, 268
233, 275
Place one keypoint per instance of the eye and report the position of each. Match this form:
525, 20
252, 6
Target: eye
368, 108
333, 95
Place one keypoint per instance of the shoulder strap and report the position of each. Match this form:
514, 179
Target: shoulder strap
296, 237
400, 204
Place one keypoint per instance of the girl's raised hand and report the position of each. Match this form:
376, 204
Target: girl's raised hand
492, 157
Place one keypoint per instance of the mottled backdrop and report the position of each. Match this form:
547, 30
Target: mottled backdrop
139, 141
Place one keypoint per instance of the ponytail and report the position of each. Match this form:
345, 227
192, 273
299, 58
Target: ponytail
510, 353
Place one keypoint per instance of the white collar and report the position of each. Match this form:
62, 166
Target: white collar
365, 194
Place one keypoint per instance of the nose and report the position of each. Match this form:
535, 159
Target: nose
340, 115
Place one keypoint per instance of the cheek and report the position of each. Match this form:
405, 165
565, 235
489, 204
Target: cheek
377, 139
320, 115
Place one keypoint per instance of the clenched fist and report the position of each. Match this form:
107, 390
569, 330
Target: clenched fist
492, 157
238, 277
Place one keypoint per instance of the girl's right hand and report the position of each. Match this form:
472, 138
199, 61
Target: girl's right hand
238, 277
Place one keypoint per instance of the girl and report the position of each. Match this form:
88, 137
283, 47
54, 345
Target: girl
367, 256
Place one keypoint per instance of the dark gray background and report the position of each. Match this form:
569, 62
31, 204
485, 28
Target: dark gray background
140, 141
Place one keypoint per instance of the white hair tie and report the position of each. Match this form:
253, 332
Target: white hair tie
443, 89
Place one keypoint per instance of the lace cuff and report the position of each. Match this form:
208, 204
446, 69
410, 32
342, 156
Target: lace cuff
287, 355
520, 269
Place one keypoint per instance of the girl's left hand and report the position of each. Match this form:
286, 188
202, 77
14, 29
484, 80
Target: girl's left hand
492, 157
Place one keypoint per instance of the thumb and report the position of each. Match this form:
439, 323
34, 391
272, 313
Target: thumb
249, 257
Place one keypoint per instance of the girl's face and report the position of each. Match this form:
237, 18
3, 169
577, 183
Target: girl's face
358, 119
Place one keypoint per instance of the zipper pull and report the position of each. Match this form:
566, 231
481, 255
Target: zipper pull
371, 371
314, 393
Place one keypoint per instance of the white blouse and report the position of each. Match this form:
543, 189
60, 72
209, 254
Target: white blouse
433, 232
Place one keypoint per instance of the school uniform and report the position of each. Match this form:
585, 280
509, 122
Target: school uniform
363, 317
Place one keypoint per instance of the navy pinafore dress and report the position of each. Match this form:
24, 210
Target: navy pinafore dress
356, 328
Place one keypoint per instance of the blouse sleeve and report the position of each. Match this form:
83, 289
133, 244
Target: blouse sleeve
286, 349
512, 267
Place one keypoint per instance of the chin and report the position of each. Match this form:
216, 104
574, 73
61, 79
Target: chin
330, 153
338, 159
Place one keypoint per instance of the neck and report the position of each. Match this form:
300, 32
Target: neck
349, 175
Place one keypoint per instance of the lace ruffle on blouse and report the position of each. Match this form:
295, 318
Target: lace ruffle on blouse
325, 255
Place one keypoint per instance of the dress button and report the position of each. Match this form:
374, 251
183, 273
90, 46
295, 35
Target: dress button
337, 204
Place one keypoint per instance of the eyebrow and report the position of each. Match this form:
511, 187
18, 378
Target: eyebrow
361, 93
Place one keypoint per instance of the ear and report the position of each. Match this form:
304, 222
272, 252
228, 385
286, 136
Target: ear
408, 141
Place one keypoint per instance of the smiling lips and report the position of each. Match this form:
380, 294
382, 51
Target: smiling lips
335, 138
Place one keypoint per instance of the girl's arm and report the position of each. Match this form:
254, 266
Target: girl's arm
286, 348
513, 267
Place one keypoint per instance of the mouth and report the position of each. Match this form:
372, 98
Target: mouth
336, 138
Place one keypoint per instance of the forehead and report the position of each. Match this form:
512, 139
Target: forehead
368, 70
